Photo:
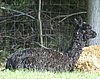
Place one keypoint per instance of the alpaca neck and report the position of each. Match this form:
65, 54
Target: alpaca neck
76, 48
77, 44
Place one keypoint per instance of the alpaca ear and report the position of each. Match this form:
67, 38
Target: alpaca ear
79, 21
76, 21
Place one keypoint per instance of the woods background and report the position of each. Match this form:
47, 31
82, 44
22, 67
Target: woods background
36, 23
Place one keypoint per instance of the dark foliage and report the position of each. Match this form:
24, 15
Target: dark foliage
48, 59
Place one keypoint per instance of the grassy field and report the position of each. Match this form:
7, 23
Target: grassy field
47, 75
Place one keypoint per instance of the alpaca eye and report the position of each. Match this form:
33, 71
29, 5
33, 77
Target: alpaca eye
77, 33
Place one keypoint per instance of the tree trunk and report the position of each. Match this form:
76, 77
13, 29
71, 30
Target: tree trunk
40, 23
94, 19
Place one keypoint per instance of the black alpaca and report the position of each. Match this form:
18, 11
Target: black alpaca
47, 59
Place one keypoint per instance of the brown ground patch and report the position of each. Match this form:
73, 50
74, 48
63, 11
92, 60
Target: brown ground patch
89, 59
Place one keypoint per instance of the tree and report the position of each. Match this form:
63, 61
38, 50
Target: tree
94, 19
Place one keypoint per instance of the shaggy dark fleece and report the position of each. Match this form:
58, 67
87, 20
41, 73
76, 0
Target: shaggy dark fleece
48, 59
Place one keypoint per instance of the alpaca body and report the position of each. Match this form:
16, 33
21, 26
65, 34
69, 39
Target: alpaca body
37, 58
47, 59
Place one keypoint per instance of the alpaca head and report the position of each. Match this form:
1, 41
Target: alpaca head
85, 29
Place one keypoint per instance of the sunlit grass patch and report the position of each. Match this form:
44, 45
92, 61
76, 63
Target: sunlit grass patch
26, 74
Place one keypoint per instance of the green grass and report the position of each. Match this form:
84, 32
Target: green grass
47, 75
